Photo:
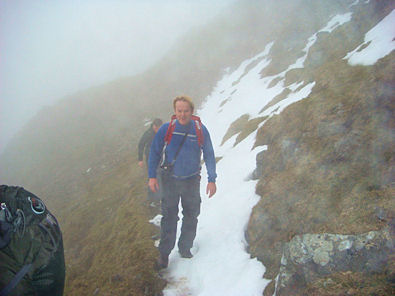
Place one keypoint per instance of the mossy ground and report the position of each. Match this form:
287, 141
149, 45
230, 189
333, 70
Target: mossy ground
330, 159
107, 237
353, 284
242, 127
333, 172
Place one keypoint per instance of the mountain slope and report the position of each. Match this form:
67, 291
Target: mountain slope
94, 123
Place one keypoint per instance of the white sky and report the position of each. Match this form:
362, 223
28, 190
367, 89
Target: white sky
221, 265
53, 48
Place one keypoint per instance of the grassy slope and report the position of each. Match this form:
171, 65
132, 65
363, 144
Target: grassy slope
107, 235
332, 172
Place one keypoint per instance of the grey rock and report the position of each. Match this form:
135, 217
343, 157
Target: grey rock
309, 257
257, 173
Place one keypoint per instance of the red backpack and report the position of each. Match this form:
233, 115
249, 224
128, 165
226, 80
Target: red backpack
198, 129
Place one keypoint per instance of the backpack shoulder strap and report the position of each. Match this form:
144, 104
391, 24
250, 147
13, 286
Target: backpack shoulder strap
198, 129
170, 129
14, 282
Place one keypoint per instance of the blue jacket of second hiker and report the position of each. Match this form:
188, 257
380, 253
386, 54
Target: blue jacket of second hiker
188, 161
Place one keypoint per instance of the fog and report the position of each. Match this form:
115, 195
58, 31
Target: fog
50, 49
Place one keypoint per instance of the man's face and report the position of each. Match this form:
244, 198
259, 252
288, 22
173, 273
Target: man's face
183, 112
155, 128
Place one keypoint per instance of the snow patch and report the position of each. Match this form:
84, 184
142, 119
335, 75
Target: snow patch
378, 42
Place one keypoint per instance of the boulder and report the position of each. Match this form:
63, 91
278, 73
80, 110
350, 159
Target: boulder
309, 257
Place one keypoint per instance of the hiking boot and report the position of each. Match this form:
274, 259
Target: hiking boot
185, 253
162, 262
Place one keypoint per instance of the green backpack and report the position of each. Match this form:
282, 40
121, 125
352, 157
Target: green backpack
31, 246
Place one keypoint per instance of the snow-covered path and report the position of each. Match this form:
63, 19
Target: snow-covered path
221, 264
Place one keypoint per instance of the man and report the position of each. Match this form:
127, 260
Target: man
146, 141
181, 165
144, 148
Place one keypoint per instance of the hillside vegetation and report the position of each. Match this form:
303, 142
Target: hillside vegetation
329, 166
109, 250
332, 173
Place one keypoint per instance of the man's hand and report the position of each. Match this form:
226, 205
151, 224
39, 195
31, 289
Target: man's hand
211, 189
141, 164
153, 184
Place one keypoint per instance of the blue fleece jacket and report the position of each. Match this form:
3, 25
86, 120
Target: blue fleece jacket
188, 160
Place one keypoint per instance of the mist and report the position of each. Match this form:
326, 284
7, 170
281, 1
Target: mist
51, 49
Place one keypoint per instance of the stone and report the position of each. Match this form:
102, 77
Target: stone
309, 257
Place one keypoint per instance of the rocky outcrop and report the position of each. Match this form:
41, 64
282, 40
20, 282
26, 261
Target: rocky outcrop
309, 257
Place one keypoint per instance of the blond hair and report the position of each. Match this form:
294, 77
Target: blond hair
184, 99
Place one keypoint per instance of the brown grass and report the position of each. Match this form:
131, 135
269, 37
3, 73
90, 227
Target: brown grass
107, 237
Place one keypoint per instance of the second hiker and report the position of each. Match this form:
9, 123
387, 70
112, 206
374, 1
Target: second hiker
146, 141
143, 150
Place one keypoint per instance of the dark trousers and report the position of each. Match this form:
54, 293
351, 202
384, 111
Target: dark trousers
173, 190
